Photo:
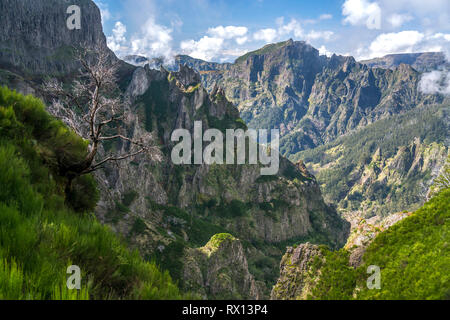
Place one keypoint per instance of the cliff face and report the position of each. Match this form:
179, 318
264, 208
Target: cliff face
183, 206
296, 276
219, 270
34, 37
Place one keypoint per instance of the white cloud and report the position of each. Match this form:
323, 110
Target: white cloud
228, 32
267, 35
207, 48
324, 51
405, 42
435, 82
362, 12
293, 27
242, 40
117, 41
216, 45
154, 40
397, 20
315, 35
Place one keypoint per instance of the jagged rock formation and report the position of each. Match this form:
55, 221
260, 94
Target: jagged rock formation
219, 270
422, 62
311, 98
292, 196
296, 279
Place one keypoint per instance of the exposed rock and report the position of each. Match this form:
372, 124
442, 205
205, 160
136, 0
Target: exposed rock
296, 279
219, 270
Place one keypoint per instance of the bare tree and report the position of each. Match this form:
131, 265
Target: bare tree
92, 104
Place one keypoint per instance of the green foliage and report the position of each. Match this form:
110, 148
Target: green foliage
235, 208
84, 195
266, 49
341, 162
337, 279
413, 256
40, 237
129, 197
217, 239
139, 226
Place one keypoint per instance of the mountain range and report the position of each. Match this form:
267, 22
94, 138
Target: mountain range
372, 138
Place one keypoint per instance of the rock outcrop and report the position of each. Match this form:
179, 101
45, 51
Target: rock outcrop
311, 98
296, 276
219, 270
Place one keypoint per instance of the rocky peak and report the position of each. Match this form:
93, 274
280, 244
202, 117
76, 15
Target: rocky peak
187, 76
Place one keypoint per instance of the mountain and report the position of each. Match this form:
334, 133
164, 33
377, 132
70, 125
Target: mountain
165, 211
373, 139
422, 62
386, 166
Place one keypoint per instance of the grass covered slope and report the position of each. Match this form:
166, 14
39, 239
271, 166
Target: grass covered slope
41, 233
413, 256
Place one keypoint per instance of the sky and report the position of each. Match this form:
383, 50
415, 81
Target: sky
223, 30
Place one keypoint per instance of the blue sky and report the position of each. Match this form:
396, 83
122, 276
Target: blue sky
222, 30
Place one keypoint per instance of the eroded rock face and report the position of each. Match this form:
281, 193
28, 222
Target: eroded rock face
296, 279
294, 202
35, 40
219, 270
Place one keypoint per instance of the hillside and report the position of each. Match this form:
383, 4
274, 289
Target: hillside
413, 256
41, 234
373, 140
167, 211
387, 166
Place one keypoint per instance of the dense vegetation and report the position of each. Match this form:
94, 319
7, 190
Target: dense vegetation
413, 256
339, 165
42, 232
